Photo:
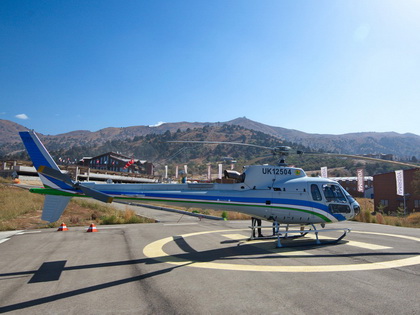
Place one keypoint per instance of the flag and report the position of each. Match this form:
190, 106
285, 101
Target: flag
399, 177
360, 180
324, 172
131, 162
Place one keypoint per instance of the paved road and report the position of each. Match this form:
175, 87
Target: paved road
189, 266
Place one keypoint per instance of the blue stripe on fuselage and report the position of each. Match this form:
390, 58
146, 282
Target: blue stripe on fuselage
339, 216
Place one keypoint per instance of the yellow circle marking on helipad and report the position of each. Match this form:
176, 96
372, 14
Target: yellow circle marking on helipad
155, 250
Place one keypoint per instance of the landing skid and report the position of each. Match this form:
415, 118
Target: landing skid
283, 232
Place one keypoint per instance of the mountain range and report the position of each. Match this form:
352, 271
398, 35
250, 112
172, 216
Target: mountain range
403, 146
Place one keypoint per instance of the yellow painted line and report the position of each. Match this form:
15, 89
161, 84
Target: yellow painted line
236, 237
177, 224
367, 245
354, 243
155, 251
290, 252
412, 238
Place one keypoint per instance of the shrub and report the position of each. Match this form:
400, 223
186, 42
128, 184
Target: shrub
224, 215
123, 217
380, 218
413, 219
111, 219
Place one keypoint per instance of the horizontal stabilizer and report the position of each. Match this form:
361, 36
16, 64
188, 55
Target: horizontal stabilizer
95, 194
54, 207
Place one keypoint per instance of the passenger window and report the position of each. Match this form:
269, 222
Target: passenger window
316, 194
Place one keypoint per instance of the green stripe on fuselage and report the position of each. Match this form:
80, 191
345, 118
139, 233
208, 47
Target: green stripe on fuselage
54, 192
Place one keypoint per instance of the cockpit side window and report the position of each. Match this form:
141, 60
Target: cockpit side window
333, 193
316, 194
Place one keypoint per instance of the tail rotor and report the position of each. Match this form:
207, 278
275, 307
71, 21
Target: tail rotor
56, 174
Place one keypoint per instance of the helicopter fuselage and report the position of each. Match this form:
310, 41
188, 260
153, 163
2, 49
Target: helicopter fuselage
273, 193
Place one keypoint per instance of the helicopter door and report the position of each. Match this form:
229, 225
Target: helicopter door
315, 195
268, 214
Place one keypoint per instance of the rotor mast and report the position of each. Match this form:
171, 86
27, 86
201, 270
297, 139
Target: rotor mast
282, 152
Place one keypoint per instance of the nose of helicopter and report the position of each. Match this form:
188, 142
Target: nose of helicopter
356, 208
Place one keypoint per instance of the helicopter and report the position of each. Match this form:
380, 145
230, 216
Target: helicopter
280, 194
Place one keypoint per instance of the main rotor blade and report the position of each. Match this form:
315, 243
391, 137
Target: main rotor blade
95, 194
222, 142
360, 157
48, 171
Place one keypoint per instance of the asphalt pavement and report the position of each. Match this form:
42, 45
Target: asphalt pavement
184, 265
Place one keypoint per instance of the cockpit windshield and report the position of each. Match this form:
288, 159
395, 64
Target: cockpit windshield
333, 193
349, 197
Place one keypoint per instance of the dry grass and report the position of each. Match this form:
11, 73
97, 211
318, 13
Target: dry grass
230, 215
367, 208
20, 210
16, 202
6, 180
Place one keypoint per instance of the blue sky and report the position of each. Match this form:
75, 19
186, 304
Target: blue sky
316, 66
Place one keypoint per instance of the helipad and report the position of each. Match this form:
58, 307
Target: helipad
156, 251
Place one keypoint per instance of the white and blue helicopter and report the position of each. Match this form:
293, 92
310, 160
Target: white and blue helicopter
283, 195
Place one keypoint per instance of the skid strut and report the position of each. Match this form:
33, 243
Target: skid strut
279, 234
313, 230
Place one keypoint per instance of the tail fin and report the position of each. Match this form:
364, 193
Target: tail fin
53, 205
40, 157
